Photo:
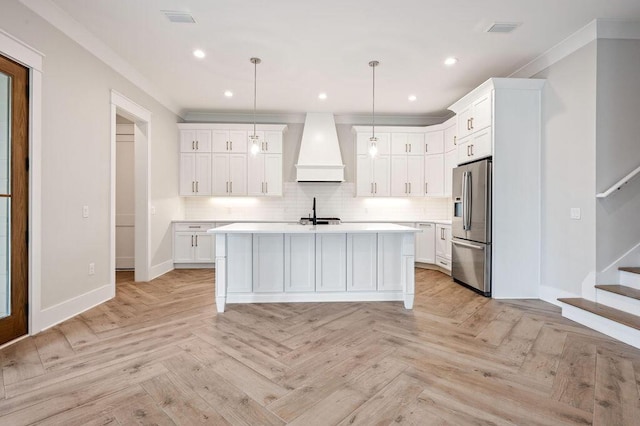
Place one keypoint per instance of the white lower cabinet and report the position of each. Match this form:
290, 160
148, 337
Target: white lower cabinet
362, 262
426, 243
331, 262
443, 246
239, 263
299, 262
268, 263
389, 263
192, 244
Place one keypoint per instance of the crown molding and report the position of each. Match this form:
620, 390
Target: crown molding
596, 29
61, 20
293, 118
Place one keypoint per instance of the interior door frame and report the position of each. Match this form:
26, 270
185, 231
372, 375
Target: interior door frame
141, 117
29, 57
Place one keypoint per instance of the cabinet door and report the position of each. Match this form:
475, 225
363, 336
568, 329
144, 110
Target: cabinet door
261, 144
268, 263
239, 263
273, 175
415, 141
481, 113
464, 122
331, 262
363, 143
204, 248
434, 142
434, 175
381, 176
399, 183
255, 174
183, 247
390, 262
273, 142
447, 238
238, 140
415, 175
220, 172
364, 178
361, 262
300, 262
203, 141
480, 144
187, 174
203, 174
426, 243
451, 137
399, 144
441, 240
187, 140
238, 174
449, 164
220, 141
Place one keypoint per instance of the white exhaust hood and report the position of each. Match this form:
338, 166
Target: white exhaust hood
319, 159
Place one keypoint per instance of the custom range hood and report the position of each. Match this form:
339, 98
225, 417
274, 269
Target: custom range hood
319, 159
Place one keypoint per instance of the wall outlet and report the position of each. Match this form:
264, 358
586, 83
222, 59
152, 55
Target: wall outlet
92, 268
85, 211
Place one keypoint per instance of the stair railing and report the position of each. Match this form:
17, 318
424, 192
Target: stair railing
619, 184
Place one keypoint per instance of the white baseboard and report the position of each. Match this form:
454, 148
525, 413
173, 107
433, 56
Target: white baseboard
355, 296
125, 262
69, 308
194, 265
160, 269
625, 334
551, 295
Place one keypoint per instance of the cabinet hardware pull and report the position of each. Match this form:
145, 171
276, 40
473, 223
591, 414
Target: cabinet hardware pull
193, 186
197, 145
455, 140
227, 187
409, 147
192, 241
267, 145
231, 187
196, 241
468, 128
193, 145
471, 149
376, 187
426, 147
227, 145
372, 187
194, 226
197, 186
471, 123
231, 144
426, 187
266, 187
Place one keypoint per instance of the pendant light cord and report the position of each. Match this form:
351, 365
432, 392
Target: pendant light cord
374, 64
255, 94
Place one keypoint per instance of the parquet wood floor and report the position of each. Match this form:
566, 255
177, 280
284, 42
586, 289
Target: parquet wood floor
159, 354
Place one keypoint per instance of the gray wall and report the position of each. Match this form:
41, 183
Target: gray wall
75, 159
617, 150
568, 171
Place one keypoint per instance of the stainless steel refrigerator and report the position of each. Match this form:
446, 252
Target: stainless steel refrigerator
471, 226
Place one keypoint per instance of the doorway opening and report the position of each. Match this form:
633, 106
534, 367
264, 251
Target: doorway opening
125, 194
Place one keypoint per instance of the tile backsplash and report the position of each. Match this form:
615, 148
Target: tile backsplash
332, 200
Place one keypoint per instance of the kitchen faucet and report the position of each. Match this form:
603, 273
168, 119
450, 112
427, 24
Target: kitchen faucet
315, 219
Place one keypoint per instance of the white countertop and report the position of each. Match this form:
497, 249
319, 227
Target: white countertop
439, 221
295, 228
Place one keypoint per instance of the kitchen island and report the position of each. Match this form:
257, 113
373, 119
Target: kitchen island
289, 262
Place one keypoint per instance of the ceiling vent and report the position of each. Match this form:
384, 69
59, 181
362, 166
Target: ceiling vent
502, 27
179, 17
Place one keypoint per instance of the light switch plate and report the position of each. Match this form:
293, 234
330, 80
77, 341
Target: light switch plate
85, 211
575, 213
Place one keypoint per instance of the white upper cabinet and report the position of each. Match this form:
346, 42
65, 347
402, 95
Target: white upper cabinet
229, 141
407, 143
451, 134
476, 116
373, 178
229, 174
195, 174
434, 175
195, 141
434, 142
363, 143
474, 147
264, 175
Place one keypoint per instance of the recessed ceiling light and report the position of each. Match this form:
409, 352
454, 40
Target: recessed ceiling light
412, 98
198, 53
228, 93
322, 96
450, 61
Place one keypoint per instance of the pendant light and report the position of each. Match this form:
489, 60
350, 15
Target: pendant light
373, 141
255, 148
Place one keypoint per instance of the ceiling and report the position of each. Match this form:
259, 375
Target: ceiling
325, 46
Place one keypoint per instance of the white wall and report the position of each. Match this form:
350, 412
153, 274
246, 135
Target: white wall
568, 249
617, 151
75, 153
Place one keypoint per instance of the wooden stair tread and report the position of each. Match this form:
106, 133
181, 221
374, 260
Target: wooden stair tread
622, 290
612, 314
632, 269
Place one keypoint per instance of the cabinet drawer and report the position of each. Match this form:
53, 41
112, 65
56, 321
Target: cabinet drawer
443, 263
193, 227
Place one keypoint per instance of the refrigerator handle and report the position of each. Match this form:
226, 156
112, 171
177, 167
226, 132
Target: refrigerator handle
466, 201
473, 246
